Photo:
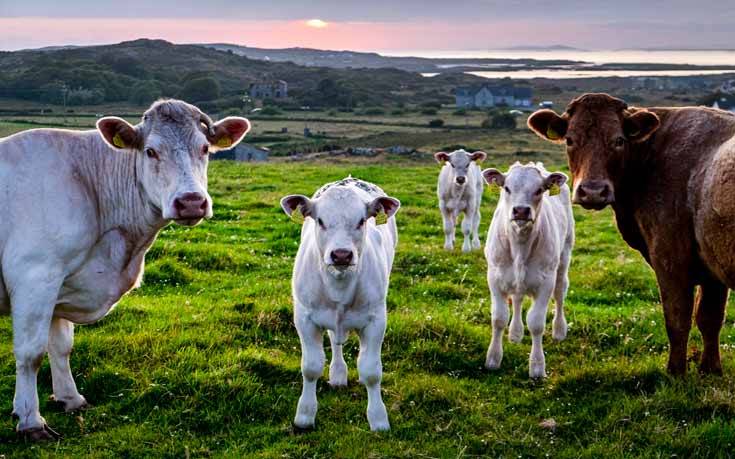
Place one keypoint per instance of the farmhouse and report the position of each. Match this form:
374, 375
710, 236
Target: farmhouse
277, 89
726, 103
493, 96
244, 152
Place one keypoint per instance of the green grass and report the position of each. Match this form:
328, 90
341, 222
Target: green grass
203, 359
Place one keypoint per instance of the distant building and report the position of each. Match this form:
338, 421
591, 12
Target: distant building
655, 83
244, 152
728, 87
493, 96
726, 103
277, 89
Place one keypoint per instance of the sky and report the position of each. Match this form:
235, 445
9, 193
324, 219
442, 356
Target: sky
374, 25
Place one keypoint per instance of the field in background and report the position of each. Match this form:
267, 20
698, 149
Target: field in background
203, 359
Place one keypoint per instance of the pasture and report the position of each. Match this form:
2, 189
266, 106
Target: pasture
203, 359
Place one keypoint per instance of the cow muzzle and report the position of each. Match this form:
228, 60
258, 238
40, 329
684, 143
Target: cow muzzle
460, 180
594, 194
190, 208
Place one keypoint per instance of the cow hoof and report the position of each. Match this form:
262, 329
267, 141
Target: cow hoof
537, 372
559, 331
476, 244
515, 336
302, 428
38, 434
448, 247
338, 382
71, 405
382, 426
710, 368
493, 362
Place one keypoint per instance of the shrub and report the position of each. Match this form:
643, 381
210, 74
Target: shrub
374, 111
429, 111
437, 123
271, 111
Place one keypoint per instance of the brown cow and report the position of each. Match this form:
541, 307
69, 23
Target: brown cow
669, 175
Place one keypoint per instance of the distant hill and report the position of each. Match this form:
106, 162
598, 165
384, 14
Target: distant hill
140, 71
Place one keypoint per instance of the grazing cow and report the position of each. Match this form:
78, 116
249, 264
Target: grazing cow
80, 210
528, 249
340, 282
668, 174
460, 190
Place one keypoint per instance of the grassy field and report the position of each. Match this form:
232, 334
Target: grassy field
203, 359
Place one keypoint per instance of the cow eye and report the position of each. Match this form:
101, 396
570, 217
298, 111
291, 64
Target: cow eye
151, 153
451, 165
570, 142
619, 142
321, 223
205, 149
507, 190
360, 223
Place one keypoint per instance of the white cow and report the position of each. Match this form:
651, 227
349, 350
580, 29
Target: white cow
460, 190
528, 249
340, 283
80, 210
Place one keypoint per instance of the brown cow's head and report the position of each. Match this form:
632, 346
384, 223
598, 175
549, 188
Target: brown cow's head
598, 130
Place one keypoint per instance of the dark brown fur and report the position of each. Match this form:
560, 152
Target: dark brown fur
674, 202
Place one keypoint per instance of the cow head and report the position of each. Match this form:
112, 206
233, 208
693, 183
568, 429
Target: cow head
523, 190
598, 131
340, 219
459, 161
172, 143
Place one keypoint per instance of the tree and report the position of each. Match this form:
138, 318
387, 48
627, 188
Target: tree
437, 123
200, 90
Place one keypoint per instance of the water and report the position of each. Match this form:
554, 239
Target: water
678, 57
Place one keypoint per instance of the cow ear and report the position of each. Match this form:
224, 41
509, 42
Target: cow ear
493, 177
478, 156
441, 157
639, 126
383, 208
548, 125
228, 133
554, 182
297, 206
118, 133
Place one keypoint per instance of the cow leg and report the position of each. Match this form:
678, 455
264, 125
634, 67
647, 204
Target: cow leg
467, 225
710, 314
61, 340
449, 224
516, 322
312, 365
338, 367
536, 320
370, 367
677, 298
476, 229
500, 321
32, 307
559, 326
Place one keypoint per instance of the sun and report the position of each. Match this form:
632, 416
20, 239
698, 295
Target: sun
316, 23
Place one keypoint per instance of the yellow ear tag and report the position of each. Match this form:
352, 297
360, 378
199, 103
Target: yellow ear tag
118, 141
297, 216
224, 142
381, 218
554, 190
552, 134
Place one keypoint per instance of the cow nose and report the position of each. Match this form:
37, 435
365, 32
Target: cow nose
461, 179
190, 205
521, 213
594, 194
341, 257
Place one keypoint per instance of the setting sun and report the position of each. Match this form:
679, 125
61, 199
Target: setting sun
316, 23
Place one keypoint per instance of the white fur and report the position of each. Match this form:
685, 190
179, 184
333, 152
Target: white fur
78, 217
528, 259
337, 299
455, 199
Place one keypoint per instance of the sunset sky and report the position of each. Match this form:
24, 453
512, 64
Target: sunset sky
376, 25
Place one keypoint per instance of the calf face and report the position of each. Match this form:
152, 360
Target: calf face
340, 229
460, 161
598, 131
523, 188
173, 142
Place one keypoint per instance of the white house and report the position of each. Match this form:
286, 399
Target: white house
277, 89
493, 96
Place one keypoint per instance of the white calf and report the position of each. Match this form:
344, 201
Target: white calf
340, 282
529, 246
460, 190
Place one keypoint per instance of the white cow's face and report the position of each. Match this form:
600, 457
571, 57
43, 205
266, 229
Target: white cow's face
340, 217
173, 143
459, 161
523, 189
